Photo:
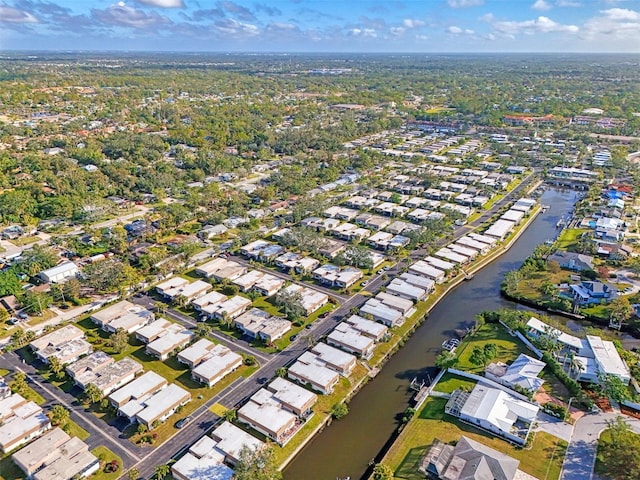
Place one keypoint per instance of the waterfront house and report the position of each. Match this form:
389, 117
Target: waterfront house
577, 262
495, 411
522, 373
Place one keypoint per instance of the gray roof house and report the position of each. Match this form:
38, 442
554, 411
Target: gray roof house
523, 372
572, 260
468, 460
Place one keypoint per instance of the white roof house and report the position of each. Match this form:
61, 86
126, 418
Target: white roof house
395, 302
606, 360
335, 359
67, 344
439, 263
368, 328
312, 299
231, 307
307, 370
523, 372
173, 282
537, 328
382, 313
56, 456
406, 290
196, 353
500, 229
259, 324
491, 241
20, 421
427, 284
513, 215
207, 459
174, 337
217, 265
470, 253
208, 301
59, 273
143, 386
161, 405
274, 410
246, 281
469, 242
494, 410
220, 362
189, 290
153, 330
349, 339
106, 376
426, 270
451, 256
123, 315
268, 285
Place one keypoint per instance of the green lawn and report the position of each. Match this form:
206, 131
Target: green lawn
105, 455
568, 239
450, 382
546, 451
9, 470
508, 347
171, 369
75, 430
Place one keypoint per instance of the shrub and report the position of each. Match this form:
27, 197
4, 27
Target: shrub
555, 409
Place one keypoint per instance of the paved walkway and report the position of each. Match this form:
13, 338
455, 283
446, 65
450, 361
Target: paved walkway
581, 454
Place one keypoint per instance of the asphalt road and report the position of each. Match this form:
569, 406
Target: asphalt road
100, 433
581, 454
237, 393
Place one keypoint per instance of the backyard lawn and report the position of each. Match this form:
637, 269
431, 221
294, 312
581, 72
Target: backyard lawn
450, 382
545, 452
569, 238
508, 347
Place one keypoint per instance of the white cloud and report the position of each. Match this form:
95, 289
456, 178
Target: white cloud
13, 15
412, 23
125, 16
487, 17
621, 14
531, 27
162, 3
455, 30
464, 3
232, 27
363, 32
568, 3
422, 38
619, 26
541, 5
397, 31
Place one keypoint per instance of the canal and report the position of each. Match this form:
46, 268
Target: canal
346, 448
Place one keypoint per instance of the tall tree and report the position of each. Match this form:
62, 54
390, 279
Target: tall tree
162, 471
93, 393
257, 464
119, 340
619, 452
59, 415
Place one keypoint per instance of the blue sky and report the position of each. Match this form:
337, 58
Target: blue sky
323, 25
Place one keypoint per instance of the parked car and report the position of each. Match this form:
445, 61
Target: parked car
182, 422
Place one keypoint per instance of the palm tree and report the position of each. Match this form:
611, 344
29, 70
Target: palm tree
161, 471
59, 415
93, 393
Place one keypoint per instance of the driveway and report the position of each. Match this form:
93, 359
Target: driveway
581, 454
554, 426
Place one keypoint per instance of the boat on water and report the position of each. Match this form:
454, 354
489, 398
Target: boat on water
545, 208
451, 344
